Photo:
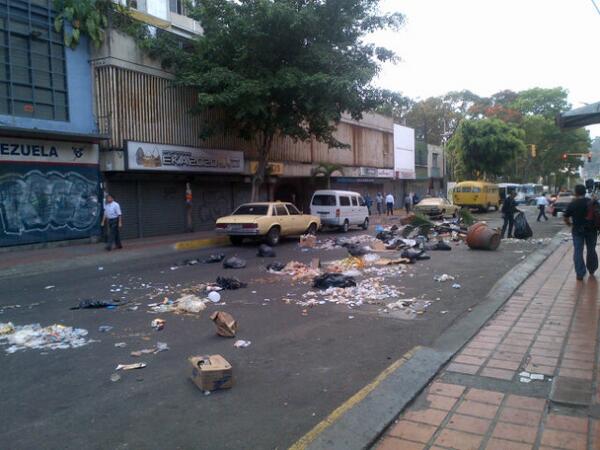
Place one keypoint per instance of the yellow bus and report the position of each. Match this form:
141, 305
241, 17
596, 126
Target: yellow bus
477, 194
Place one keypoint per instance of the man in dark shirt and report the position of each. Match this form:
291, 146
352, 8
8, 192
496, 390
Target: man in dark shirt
584, 234
509, 208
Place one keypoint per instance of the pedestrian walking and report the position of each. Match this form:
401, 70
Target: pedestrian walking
584, 232
112, 216
368, 202
541, 203
389, 201
509, 208
408, 203
379, 201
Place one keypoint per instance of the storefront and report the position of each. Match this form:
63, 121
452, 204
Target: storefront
169, 189
49, 190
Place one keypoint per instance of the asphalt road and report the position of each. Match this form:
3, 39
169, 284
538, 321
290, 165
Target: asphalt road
298, 368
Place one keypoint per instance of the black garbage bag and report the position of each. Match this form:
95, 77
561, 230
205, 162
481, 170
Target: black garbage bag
414, 255
357, 249
266, 251
230, 283
440, 245
215, 258
93, 304
385, 236
522, 228
234, 263
328, 280
276, 266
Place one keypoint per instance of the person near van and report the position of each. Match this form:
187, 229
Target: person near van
389, 201
379, 201
408, 203
368, 202
112, 216
584, 233
509, 208
415, 198
541, 203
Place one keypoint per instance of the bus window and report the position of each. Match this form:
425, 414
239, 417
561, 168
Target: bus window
476, 189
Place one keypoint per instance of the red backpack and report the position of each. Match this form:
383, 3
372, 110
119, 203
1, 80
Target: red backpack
593, 213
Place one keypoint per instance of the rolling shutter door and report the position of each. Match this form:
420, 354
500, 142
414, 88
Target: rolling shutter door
125, 194
210, 202
162, 208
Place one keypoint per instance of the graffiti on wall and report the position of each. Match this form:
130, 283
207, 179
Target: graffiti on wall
64, 203
213, 204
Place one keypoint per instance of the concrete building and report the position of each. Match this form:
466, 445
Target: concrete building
49, 173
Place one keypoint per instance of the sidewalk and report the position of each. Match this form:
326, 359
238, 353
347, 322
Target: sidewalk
549, 326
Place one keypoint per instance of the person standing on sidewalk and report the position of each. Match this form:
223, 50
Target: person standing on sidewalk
509, 208
584, 233
389, 201
368, 202
541, 203
379, 201
112, 215
408, 203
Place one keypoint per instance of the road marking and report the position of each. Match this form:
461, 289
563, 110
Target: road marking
309, 437
201, 243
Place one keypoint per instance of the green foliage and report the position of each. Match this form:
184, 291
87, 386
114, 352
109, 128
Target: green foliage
466, 217
89, 17
326, 170
485, 147
541, 102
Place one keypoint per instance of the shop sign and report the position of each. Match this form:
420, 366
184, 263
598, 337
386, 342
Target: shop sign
385, 173
47, 152
275, 169
367, 171
174, 158
346, 180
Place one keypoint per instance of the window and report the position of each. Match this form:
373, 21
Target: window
32, 61
361, 201
354, 201
292, 210
476, 189
434, 159
324, 200
281, 211
344, 201
252, 210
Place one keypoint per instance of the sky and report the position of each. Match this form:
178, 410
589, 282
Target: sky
487, 46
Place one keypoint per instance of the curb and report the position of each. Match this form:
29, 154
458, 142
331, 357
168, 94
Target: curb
360, 426
195, 244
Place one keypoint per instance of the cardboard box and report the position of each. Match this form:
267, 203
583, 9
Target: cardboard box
211, 372
308, 241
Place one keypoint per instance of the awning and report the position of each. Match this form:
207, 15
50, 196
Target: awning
34, 133
580, 117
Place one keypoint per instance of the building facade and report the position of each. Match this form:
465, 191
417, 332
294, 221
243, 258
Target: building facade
49, 162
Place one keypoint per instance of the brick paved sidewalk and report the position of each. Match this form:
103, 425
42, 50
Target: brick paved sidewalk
548, 327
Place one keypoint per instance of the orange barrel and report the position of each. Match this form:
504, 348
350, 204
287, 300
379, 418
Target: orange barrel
482, 237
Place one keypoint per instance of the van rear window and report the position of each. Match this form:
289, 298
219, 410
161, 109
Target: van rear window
324, 200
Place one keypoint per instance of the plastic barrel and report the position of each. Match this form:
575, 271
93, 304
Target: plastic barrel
482, 237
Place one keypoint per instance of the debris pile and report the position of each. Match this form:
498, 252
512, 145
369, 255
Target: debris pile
34, 336
371, 291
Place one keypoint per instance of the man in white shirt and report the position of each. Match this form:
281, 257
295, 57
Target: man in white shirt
541, 203
112, 215
389, 201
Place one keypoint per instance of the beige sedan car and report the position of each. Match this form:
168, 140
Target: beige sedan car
437, 207
268, 220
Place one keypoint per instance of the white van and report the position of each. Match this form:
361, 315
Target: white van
340, 209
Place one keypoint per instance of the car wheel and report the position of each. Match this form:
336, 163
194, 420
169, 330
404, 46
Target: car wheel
312, 229
345, 227
365, 225
273, 236
236, 240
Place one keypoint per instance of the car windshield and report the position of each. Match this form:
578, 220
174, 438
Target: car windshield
252, 210
324, 200
430, 201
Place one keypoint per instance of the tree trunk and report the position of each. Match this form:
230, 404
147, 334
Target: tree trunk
328, 182
258, 177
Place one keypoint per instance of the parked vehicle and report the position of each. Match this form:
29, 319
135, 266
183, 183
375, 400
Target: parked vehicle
562, 201
268, 220
476, 194
340, 209
437, 207
504, 189
528, 192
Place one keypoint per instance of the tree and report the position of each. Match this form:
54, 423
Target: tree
270, 68
485, 147
327, 170
542, 102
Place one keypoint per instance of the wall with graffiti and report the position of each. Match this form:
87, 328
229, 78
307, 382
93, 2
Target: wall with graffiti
48, 203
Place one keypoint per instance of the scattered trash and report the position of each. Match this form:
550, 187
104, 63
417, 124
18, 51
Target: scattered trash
191, 304
121, 345
211, 373
49, 287
35, 336
234, 263
214, 297
338, 280
104, 328
242, 344
524, 380
527, 377
158, 324
308, 241
443, 278
350, 317
100, 268
215, 258
522, 228
225, 323
443, 312
456, 286
537, 376
115, 377
94, 304
131, 366
266, 251
160, 347
275, 267
371, 290
230, 283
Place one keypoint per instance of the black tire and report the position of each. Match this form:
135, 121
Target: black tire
312, 229
236, 240
273, 236
365, 224
345, 227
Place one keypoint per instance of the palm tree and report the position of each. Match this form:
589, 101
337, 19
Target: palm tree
327, 170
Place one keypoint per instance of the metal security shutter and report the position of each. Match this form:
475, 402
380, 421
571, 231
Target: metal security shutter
125, 194
162, 206
210, 201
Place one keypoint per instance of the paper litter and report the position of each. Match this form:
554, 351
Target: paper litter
242, 344
443, 278
130, 366
35, 336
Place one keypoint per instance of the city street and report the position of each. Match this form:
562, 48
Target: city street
302, 363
